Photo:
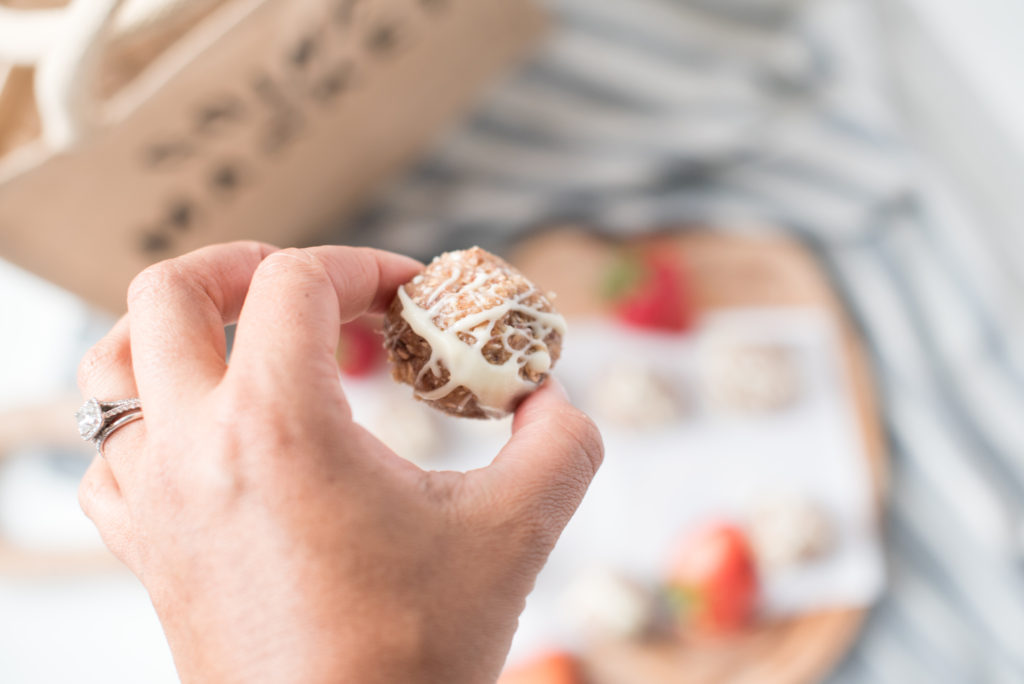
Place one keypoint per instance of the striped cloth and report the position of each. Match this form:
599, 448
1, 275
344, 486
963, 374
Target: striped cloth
642, 114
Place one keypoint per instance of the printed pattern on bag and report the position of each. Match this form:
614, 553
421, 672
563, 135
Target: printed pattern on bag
316, 69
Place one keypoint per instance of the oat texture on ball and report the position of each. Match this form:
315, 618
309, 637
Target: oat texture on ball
472, 335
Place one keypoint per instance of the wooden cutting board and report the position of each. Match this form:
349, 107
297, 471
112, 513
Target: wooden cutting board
727, 271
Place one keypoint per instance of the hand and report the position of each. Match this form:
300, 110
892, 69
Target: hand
280, 541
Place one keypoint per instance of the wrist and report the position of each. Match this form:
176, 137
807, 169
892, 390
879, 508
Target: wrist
368, 651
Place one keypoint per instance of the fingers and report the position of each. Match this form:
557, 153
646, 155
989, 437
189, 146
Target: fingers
106, 373
545, 469
106, 370
178, 310
290, 325
101, 500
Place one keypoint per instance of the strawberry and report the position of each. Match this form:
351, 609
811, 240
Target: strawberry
360, 351
553, 668
651, 290
713, 580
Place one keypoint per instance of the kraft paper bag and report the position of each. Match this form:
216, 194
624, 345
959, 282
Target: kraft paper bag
267, 119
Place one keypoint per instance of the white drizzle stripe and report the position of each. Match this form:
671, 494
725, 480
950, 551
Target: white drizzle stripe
497, 387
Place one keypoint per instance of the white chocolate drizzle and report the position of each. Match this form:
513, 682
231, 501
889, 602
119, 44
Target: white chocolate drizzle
459, 347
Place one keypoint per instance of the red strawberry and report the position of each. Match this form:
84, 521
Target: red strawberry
553, 668
713, 580
651, 290
360, 351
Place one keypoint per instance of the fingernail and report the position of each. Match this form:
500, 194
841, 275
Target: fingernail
297, 253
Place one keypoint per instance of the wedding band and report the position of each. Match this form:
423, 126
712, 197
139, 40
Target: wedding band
97, 420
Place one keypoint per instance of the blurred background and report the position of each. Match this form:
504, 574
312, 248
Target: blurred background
785, 233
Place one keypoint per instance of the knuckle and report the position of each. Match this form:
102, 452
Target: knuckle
94, 364
115, 530
154, 281
88, 493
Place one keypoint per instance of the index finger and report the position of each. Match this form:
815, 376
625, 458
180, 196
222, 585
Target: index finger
178, 310
289, 328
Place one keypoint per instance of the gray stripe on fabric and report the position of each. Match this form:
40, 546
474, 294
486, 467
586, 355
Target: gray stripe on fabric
656, 142
650, 79
798, 206
917, 606
956, 265
897, 352
755, 58
808, 141
774, 14
980, 592
587, 86
1000, 407
962, 342
884, 141
665, 22
817, 188
536, 114
640, 37
822, 177
854, 667
980, 503
486, 157
1000, 653
956, 409
886, 662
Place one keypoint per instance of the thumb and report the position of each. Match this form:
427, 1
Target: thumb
540, 476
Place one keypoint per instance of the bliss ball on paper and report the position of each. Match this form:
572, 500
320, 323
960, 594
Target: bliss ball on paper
472, 335
787, 529
751, 377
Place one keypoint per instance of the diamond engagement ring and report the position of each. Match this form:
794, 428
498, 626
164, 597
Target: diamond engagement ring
97, 420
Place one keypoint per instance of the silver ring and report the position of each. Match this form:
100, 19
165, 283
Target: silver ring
97, 420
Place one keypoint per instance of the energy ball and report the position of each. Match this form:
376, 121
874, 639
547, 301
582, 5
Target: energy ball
606, 605
472, 335
633, 396
789, 529
751, 377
